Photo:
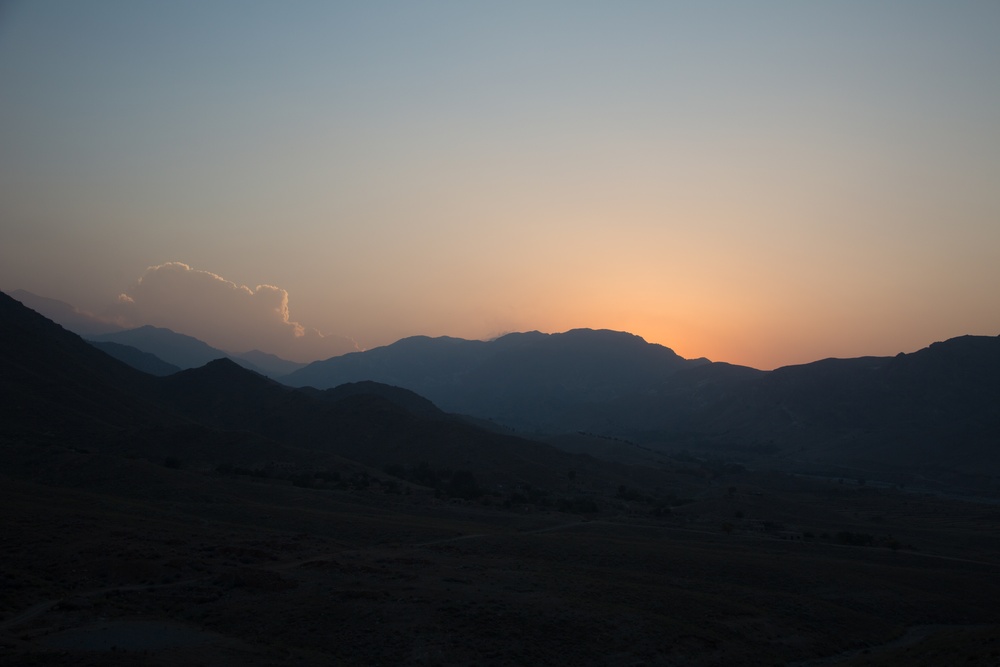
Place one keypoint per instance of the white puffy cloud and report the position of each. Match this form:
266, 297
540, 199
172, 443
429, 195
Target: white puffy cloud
232, 317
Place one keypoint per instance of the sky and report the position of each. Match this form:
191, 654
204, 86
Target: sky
763, 183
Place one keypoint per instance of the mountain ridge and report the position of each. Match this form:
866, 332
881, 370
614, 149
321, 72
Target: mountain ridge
147, 362
60, 390
521, 379
65, 314
174, 348
934, 407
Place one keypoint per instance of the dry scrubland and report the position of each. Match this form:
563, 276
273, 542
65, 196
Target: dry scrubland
154, 565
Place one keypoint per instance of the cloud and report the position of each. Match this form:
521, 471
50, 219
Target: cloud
232, 317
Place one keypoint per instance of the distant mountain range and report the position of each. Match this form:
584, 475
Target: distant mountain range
66, 315
59, 390
935, 408
181, 351
174, 348
899, 417
532, 381
269, 364
136, 358
938, 407
154, 350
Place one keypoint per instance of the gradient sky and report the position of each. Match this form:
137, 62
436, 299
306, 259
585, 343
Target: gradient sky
763, 183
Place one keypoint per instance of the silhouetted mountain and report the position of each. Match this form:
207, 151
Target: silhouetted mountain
528, 380
404, 398
936, 408
268, 364
665, 406
429, 366
56, 385
137, 359
174, 348
66, 315
367, 422
57, 388
223, 394
178, 349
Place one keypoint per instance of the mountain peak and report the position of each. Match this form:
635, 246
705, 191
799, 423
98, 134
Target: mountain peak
175, 348
224, 364
220, 374
226, 368
523, 379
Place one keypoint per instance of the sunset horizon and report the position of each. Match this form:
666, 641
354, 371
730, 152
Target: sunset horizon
765, 186
297, 342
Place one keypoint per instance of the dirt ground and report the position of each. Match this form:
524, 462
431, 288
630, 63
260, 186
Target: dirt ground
235, 572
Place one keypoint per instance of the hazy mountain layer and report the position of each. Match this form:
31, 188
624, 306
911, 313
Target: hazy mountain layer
137, 359
532, 381
174, 348
65, 314
186, 351
269, 364
938, 407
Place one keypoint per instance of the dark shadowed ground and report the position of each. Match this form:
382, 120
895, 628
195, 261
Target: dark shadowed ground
759, 570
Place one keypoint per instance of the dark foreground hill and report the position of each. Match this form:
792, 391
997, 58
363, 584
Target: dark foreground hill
168, 521
52, 381
380, 426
